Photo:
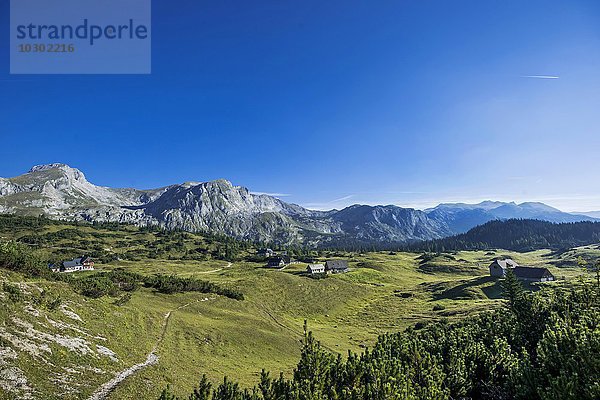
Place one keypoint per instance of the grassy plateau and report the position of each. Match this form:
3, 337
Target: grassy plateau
69, 348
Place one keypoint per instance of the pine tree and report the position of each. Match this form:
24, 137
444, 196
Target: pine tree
202, 392
545, 346
512, 290
313, 367
167, 395
227, 391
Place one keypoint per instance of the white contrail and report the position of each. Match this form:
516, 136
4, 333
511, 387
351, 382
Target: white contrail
541, 76
342, 198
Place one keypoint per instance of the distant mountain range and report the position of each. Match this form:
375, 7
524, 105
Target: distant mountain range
62, 192
593, 214
462, 217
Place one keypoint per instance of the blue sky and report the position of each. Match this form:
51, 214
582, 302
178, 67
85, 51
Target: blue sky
333, 103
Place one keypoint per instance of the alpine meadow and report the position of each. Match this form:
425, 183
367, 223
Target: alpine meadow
299, 200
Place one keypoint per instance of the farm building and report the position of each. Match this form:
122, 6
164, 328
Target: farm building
315, 269
83, 263
278, 262
336, 266
499, 267
533, 274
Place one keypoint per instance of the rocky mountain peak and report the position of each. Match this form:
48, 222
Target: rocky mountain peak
61, 171
190, 184
45, 167
222, 183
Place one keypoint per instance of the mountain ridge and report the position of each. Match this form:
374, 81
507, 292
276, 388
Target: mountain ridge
62, 192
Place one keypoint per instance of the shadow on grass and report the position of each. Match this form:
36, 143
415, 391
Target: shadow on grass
471, 290
297, 273
494, 291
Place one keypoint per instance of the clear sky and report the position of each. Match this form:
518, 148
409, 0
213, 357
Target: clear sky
330, 103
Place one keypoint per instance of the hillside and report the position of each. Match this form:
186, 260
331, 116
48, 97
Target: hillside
516, 352
85, 337
518, 235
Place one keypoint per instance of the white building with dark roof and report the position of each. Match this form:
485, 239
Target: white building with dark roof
336, 266
499, 267
83, 263
533, 274
315, 269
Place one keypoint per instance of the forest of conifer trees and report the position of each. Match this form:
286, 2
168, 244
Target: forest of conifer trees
517, 235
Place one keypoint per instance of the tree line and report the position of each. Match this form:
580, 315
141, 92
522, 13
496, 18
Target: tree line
518, 235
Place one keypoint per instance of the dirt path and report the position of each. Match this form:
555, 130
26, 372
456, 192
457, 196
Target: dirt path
103, 391
215, 270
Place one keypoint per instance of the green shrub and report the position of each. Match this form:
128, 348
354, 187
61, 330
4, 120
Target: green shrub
19, 257
13, 291
54, 302
121, 301
174, 284
96, 286
124, 280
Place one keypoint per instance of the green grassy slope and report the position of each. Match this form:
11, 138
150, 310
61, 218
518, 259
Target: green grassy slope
207, 333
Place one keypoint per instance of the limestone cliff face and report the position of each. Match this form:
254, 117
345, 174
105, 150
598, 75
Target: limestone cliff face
60, 191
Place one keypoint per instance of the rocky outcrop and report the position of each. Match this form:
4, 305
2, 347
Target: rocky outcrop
62, 192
